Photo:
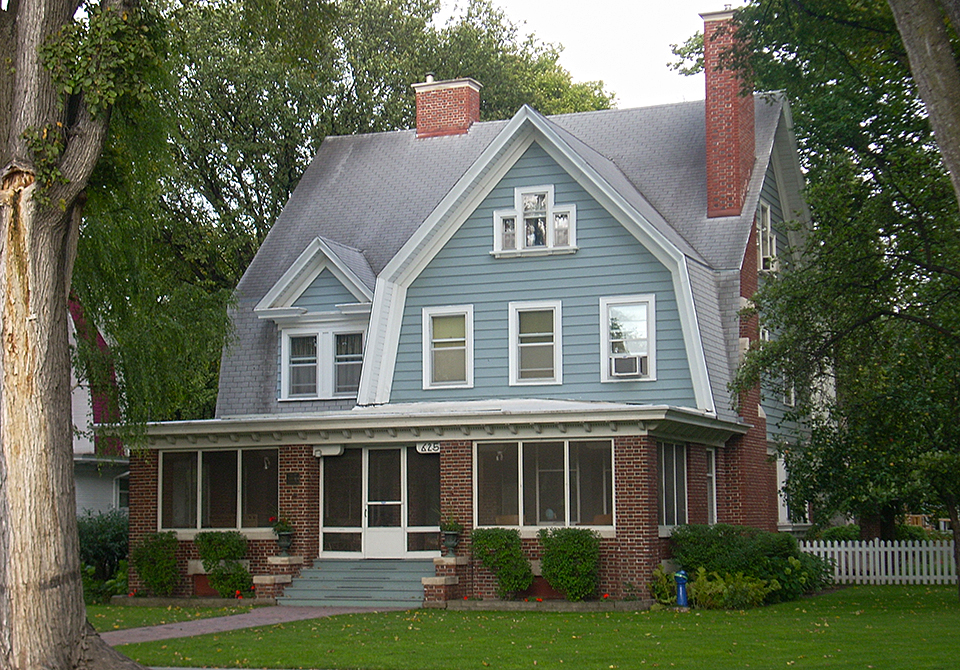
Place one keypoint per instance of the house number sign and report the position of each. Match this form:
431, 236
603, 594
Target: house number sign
428, 447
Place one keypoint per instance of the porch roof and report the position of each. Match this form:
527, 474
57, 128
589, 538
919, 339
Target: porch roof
443, 421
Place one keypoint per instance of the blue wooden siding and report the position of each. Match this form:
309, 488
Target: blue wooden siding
610, 262
324, 294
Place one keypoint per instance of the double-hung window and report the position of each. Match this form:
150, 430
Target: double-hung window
628, 338
672, 486
766, 240
320, 364
448, 347
535, 225
711, 481
535, 343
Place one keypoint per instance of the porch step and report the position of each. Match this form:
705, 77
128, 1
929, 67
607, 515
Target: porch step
360, 583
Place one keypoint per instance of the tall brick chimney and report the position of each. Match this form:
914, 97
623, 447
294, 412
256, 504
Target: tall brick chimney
730, 121
447, 107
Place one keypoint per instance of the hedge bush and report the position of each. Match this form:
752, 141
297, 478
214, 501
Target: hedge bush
730, 592
774, 558
155, 558
221, 553
500, 551
103, 541
571, 560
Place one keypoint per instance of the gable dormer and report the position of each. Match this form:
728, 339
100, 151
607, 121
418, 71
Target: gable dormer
321, 306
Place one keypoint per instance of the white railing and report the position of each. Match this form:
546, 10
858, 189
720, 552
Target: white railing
880, 562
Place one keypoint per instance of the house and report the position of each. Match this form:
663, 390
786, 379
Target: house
520, 323
100, 464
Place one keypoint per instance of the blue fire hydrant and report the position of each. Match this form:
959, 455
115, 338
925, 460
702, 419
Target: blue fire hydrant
681, 578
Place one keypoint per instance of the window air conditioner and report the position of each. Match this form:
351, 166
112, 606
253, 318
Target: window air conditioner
628, 366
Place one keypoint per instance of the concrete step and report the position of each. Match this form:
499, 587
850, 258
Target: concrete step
360, 583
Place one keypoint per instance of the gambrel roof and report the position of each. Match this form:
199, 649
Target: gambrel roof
368, 196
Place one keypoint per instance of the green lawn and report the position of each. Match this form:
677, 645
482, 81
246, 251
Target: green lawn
864, 627
111, 617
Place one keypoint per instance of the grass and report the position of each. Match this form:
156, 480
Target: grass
111, 617
862, 627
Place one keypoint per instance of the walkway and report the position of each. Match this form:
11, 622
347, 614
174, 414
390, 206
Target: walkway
260, 616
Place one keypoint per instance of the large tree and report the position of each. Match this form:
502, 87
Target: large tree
59, 82
237, 122
870, 309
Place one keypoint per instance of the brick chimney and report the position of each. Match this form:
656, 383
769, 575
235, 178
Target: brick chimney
447, 107
730, 121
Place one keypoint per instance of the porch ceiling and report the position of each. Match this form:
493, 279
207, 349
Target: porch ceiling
433, 422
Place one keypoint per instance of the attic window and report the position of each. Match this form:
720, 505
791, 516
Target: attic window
766, 241
535, 226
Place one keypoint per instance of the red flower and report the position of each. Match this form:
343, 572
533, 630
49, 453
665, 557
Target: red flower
539, 600
606, 595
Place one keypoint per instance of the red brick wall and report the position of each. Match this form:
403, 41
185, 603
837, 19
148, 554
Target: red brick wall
456, 499
637, 549
299, 503
447, 111
730, 126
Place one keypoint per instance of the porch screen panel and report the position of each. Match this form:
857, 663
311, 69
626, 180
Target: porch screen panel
218, 503
591, 483
342, 489
259, 488
423, 489
498, 483
383, 488
179, 482
543, 484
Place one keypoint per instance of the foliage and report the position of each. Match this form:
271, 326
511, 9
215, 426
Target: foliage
451, 525
194, 178
97, 591
281, 525
869, 314
221, 553
846, 533
663, 587
850, 628
103, 55
500, 551
730, 592
155, 561
770, 557
103, 541
571, 560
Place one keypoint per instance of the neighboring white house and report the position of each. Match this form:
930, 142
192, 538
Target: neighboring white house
101, 479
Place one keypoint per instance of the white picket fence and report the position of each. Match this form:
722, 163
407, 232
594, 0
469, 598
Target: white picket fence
881, 562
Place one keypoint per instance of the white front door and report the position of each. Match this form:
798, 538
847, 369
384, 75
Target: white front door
384, 535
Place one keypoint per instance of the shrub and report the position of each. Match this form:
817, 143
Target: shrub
732, 592
847, 533
500, 552
571, 560
907, 533
99, 591
663, 587
103, 541
221, 553
774, 558
155, 558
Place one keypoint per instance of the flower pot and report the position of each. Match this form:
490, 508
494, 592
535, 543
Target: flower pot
284, 541
451, 539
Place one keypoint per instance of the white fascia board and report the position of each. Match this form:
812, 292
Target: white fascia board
315, 259
696, 358
380, 350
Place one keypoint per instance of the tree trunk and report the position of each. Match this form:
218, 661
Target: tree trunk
42, 616
925, 35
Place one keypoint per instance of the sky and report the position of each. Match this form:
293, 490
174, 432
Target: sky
624, 43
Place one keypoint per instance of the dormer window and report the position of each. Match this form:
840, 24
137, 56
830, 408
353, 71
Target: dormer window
535, 226
320, 364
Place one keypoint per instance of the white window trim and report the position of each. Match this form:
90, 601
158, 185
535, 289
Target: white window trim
426, 326
605, 303
766, 239
514, 325
711, 456
326, 359
516, 214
